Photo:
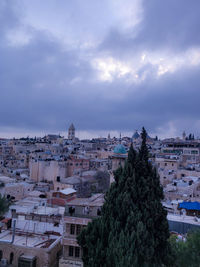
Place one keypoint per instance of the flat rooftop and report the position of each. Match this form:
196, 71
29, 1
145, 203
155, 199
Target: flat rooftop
37, 227
184, 219
97, 201
30, 206
28, 240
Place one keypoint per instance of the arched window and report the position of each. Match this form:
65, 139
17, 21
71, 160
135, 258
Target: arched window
11, 257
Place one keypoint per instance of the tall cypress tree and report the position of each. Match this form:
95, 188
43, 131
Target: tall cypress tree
133, 229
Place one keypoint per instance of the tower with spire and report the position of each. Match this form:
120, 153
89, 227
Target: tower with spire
71, 132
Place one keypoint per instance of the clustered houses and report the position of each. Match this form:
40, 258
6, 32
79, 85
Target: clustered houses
178, 164
57, 185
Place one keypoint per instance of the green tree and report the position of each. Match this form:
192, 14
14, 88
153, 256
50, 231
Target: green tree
4, 204
186, 252
133, 229
103, 179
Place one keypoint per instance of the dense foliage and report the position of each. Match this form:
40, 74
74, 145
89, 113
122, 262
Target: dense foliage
186, 252
103, 181
4, 204
133, 229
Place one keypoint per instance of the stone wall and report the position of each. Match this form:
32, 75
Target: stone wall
45, 257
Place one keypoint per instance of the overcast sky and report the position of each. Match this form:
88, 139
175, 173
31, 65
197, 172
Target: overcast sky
105, 65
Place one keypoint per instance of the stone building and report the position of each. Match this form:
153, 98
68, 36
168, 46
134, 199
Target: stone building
47, 170
78, 213
71, 132
34, 238
118, 157
77, 165
29, 249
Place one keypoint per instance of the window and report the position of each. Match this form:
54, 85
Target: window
72, 229
24, 262
77, 252
71, 210
78, 229
11, 257
71, 251
1, 254
165, 164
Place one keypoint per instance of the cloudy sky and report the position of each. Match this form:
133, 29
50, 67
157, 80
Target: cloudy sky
107, 66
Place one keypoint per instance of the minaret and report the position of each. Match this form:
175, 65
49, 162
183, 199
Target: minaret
71, 132
184, 135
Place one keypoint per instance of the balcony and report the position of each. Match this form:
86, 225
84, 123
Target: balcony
69, 241
89, 212
81, 215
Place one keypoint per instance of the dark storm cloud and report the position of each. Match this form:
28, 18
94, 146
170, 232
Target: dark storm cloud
35, 83
35, 80
175, 97
45, 85
171, 25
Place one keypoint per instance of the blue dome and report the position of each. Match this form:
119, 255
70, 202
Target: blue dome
136, 135
120, 149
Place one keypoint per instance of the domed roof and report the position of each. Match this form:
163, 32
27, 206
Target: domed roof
119, 149
136, 135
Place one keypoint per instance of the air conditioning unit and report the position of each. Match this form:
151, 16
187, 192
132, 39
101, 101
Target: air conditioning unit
4, 262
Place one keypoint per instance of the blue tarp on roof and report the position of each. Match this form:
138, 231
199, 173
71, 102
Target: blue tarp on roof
190, 205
